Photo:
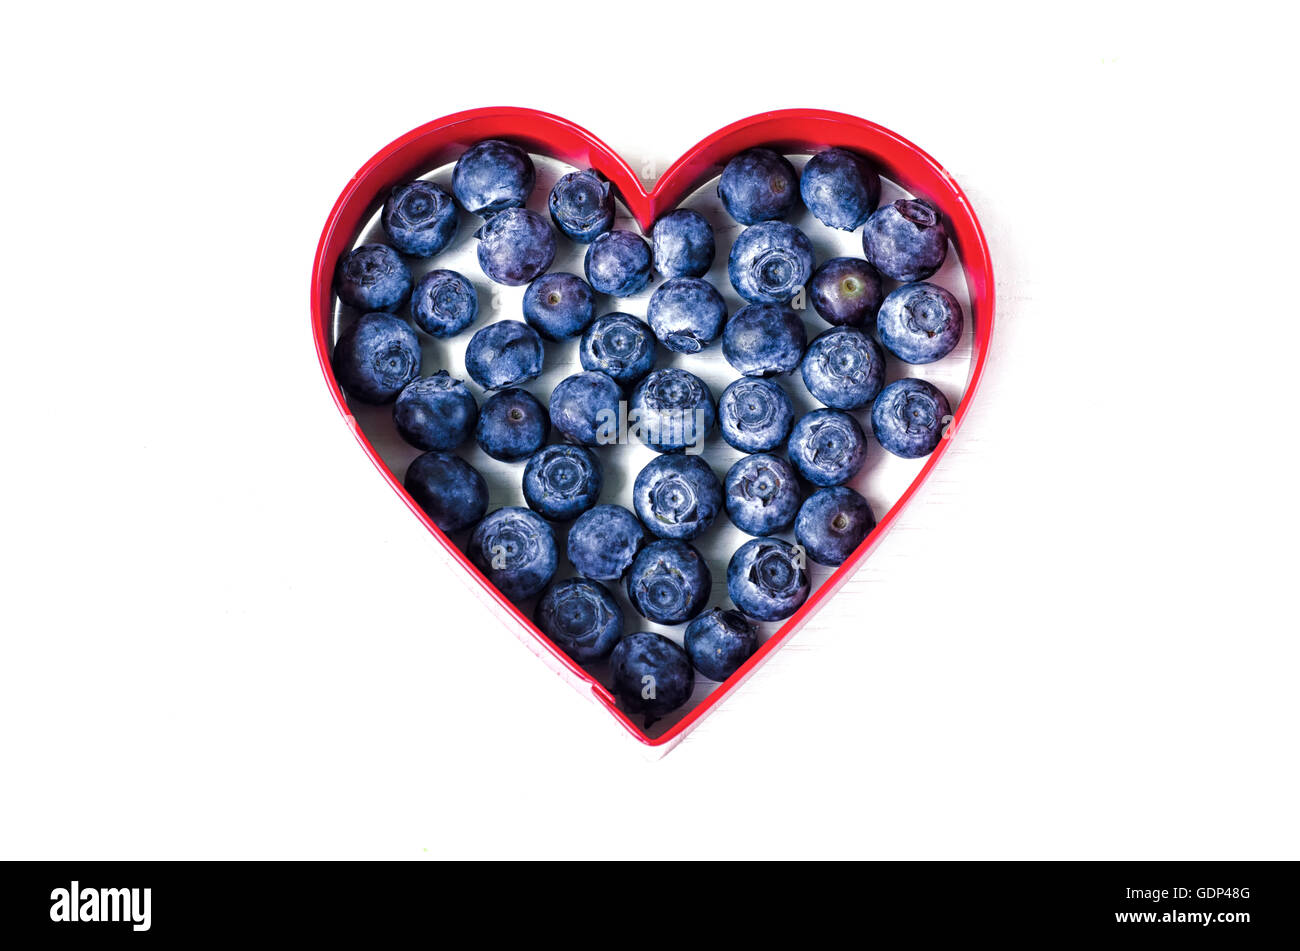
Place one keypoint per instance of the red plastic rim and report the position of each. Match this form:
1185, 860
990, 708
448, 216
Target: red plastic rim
788, 131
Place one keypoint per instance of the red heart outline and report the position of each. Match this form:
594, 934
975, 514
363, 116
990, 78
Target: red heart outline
788, 131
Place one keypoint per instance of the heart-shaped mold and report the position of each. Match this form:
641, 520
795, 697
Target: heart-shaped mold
791, 132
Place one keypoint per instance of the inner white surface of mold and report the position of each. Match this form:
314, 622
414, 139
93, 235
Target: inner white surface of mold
882, 479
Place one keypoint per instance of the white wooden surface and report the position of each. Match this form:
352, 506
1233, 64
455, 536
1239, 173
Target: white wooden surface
222, 636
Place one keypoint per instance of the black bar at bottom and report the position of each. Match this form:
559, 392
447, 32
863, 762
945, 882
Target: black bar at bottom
1232, 903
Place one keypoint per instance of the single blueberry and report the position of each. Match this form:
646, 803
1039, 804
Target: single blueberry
561, 482
515, 246
419, 218
373, 277
909, 418
755, 415
503, 354
677, 496
762, 494
581, 618
844, 368
846, 291
652, 676
827, 446
832, 523
840, 187
512, 425
920, 323
719, 641
582, 205
764, 340
618, 263
674, 411
375, 357
669, 583
686, 314
443, 303
558, 305
766, 579
906, 240
683, 244
585, 409
449, 489
758, 185
604, 541
515, 549
770, 262
491, 176
435, 412
618, 345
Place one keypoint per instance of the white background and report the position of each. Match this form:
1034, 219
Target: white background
223, 636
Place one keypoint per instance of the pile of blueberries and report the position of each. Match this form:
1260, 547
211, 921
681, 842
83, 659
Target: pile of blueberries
377, 359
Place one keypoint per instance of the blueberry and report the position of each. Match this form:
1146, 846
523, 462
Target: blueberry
764, 340
491, 176
762, 494
686, 314
561, 482
758, 185
909, 418
515, 549
373, 278
674, 410
846, 291
669, 583
827, 446
604, 541
448, 488
832, 523
766, 579
435, 412
719, 641
919, 323
677, 496
618, 345
419, 218
515, 246
840, 187
443, 303
585, 409
652, 676
558, 305
618, 263
906, 240
503, 354
375, 357
581, 618
844, 368
512, 425
683, 244
582, 205
755, 415
770, 262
